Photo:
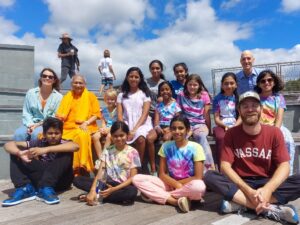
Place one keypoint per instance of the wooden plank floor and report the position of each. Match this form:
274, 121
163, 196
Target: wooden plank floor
70, 211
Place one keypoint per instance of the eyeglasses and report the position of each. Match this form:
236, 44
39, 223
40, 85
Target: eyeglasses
269, 80
48, 76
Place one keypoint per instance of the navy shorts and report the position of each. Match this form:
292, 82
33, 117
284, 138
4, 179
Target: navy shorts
107, 81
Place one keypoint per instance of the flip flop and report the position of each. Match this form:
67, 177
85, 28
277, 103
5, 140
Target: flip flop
82, 197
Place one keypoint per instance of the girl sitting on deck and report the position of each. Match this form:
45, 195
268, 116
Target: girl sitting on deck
180, 170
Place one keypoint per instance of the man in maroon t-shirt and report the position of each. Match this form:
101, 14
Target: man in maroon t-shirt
255, 167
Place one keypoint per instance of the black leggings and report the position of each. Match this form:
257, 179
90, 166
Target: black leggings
124, 195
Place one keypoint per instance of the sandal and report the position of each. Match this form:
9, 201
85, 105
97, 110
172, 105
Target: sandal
82, 197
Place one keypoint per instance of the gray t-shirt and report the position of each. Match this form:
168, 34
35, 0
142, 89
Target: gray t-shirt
153, 86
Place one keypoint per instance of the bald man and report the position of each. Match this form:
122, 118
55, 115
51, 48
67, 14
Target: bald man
246, 78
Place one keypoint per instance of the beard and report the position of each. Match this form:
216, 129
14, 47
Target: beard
251, 120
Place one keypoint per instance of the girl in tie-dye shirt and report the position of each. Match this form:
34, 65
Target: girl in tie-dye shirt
268, 85
119, 162
181, 169
224, 109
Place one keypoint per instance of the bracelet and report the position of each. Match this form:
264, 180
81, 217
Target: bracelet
87, 122
157, 126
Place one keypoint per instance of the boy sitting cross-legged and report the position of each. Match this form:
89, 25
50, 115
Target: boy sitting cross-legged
37, 168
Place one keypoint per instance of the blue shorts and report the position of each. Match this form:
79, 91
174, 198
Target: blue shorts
107, 81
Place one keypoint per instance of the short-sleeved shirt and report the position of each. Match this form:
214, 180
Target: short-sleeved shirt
254, 155
110, 117
167, 112
153, 86
41, 143
225, 106
193, 109
246, 83
68, 61
104, 64
180, 161
119, 163
177, 87
270, 106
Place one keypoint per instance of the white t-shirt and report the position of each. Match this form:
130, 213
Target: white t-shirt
104, 65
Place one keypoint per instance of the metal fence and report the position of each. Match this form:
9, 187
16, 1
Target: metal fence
288, 71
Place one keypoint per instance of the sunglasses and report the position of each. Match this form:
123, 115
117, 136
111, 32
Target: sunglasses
269, 80
50, 77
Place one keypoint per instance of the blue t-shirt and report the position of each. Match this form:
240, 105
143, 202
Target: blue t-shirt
177, 87
225, 106
180, 161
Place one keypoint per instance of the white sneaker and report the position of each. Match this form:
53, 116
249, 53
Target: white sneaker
231, 207
286, 213
184, 204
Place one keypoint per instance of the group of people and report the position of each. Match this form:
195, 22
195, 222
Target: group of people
252, 168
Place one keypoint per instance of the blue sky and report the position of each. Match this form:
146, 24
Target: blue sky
205, 34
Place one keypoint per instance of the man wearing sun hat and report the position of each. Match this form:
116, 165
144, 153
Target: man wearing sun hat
69, 57
255, 167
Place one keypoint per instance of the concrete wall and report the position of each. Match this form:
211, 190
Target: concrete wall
16, 66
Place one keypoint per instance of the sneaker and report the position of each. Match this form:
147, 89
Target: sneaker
184, 204
286, 213
47, 195
145, 198
21, 194
231, 207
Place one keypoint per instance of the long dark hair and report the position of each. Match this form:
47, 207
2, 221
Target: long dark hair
196, 78
163, 83
162, 76
278, 84
235, 93
56, 84
125, 88
184, 66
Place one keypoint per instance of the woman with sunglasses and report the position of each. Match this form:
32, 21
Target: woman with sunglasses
268, 86
40, 102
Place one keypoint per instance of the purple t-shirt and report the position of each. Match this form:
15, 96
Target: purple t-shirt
43, 143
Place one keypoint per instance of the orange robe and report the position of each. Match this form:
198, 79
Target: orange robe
74, 111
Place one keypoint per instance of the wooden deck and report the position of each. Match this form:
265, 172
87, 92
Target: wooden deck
70, 211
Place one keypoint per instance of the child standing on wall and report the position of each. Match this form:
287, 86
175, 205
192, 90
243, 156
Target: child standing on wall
106, 70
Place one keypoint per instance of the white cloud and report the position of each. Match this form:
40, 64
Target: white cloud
198, 38
229, 4
290, 5
114, 16
6, 3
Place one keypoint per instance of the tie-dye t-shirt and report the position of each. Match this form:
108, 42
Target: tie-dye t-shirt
270, 106
193, 109
225, 106
119, 163
167, 112
180, 161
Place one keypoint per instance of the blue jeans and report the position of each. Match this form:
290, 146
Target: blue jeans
22, 135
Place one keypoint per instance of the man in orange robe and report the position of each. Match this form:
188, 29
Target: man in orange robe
79, 110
